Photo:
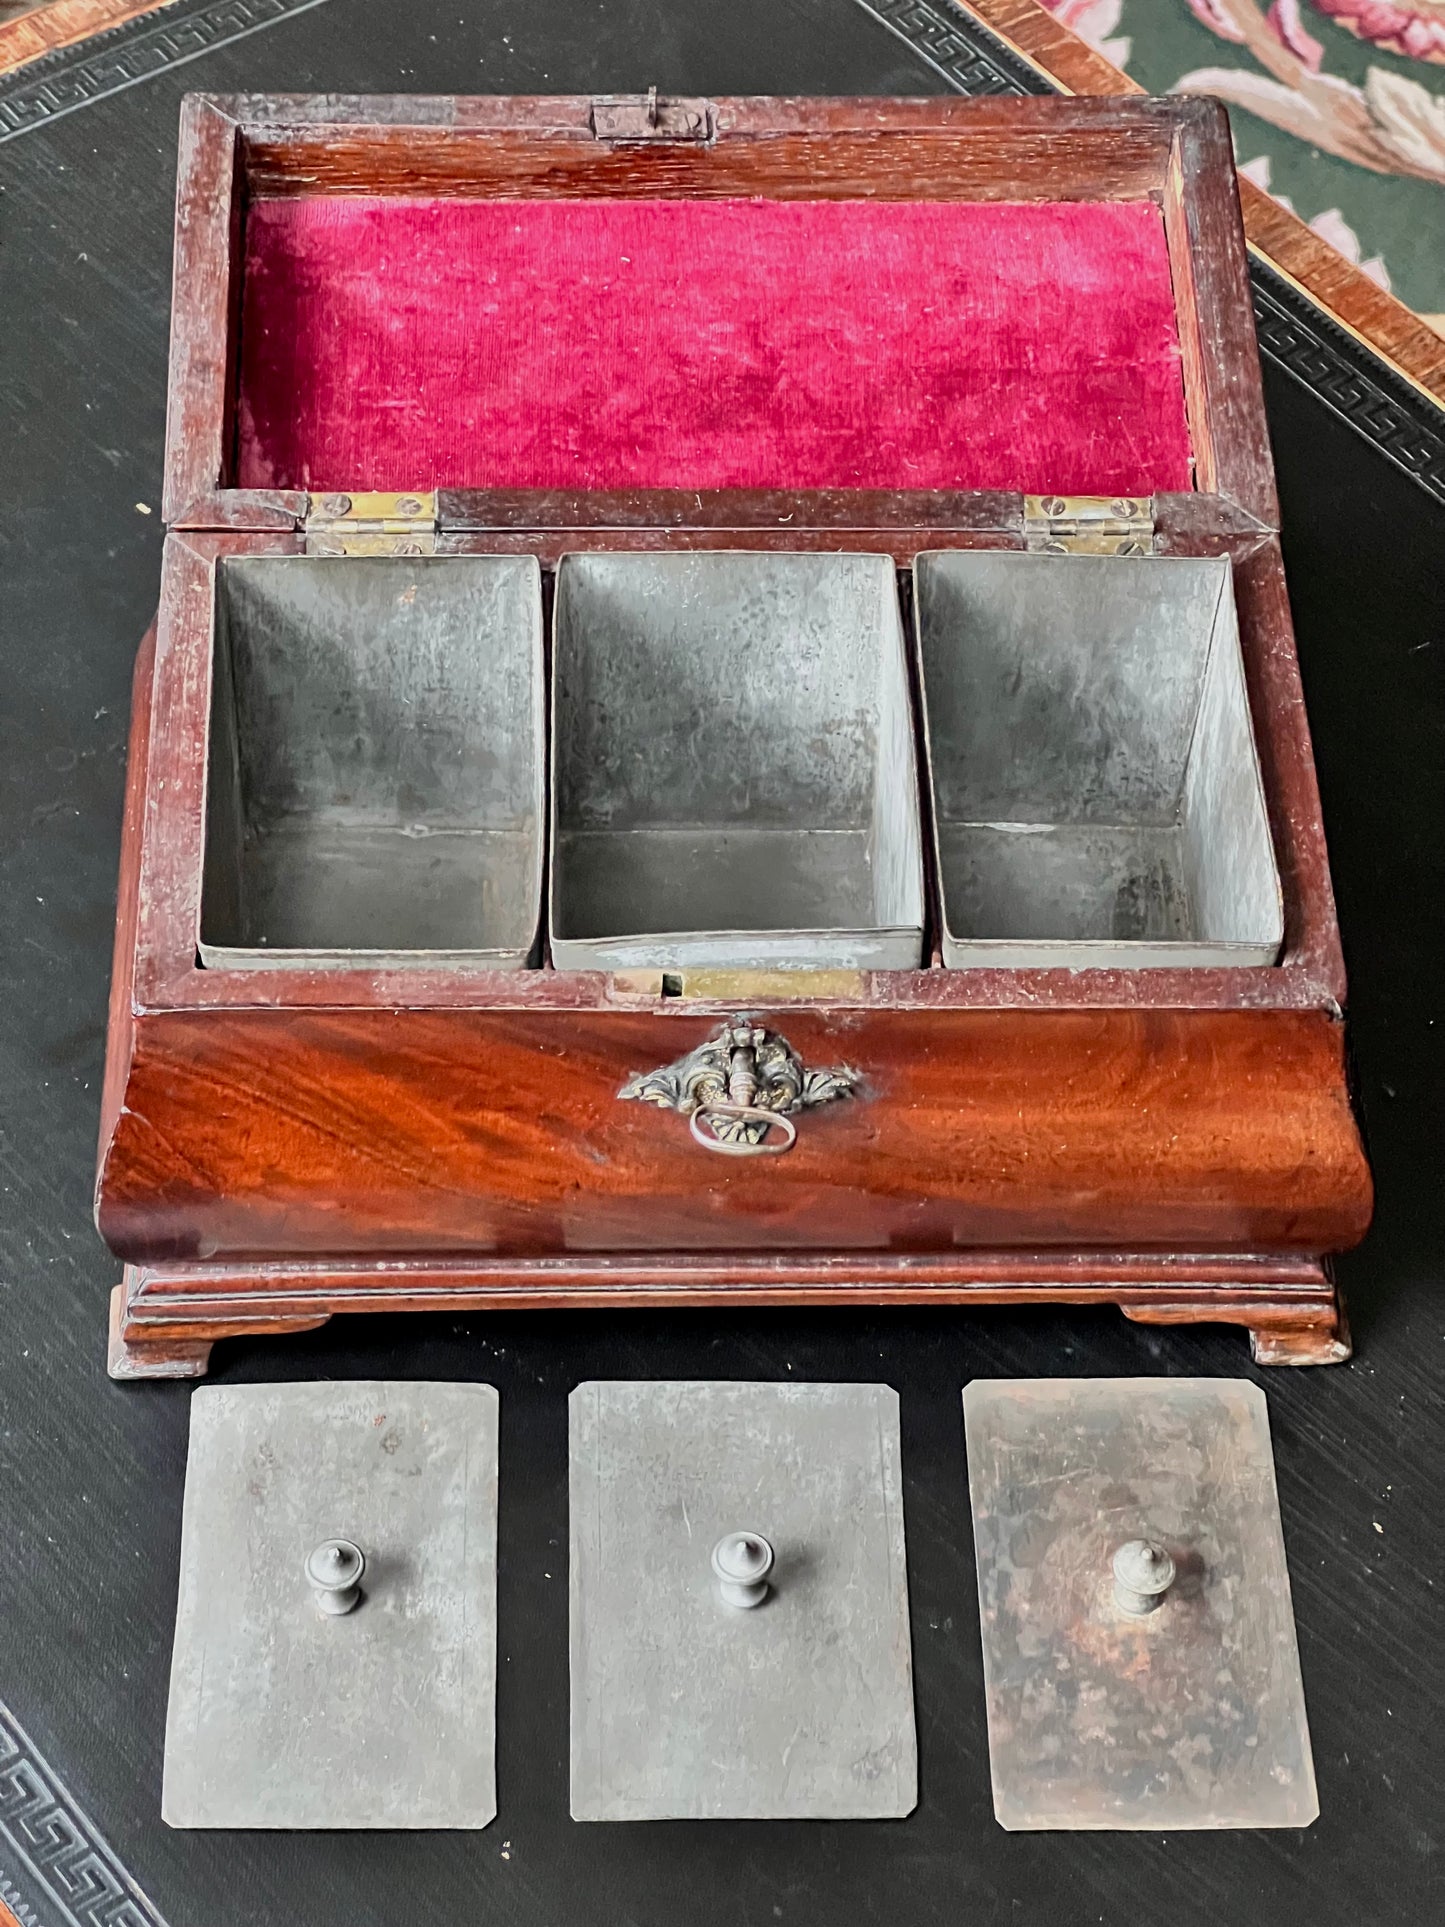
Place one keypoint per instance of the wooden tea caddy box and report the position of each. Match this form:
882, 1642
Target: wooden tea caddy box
284, 1141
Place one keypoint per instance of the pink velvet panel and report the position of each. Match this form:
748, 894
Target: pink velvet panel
408, 343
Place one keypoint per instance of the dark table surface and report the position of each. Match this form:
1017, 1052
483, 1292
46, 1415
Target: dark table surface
91, 1473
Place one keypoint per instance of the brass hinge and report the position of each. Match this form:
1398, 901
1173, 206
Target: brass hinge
1088, 525
645, 117
367, 522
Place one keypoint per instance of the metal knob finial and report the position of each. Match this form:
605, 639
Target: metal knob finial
742, 1562
334, 1572
1143, 1573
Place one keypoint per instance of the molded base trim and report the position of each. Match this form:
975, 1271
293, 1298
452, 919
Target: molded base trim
165, 1318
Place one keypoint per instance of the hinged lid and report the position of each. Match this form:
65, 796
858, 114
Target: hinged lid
371, 522
644, 117
605, 296
1089, 525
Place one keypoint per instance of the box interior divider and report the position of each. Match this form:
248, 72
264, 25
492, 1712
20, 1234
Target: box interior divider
376, 762
734, 766
1095, 785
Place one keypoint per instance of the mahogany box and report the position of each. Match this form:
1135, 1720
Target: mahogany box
722, 726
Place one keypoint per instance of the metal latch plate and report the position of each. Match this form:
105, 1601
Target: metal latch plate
369, 522
647, 117
1088, 525
286, 1714
685, 1706
1189, 1714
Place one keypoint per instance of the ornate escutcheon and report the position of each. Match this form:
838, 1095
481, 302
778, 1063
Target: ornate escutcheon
738, 1088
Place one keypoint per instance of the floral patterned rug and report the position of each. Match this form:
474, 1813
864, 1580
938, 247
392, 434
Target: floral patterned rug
1338, 109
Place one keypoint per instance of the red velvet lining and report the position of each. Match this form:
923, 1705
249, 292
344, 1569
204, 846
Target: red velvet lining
407, 343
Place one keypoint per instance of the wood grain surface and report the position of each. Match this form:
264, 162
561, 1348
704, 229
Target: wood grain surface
53, 24
330, 1118
326, 1132
92, 1473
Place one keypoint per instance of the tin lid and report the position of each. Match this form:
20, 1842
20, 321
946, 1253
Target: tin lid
335, 1654
1139, 1646
739, 1604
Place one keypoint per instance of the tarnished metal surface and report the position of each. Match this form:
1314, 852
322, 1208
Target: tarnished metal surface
371, 523
734, 774
742, 1562
284, 1713
648, 117
1096, 788
684, 1706
1089, 524
334, 1572
738, 1087
1180, 1705
375, 782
